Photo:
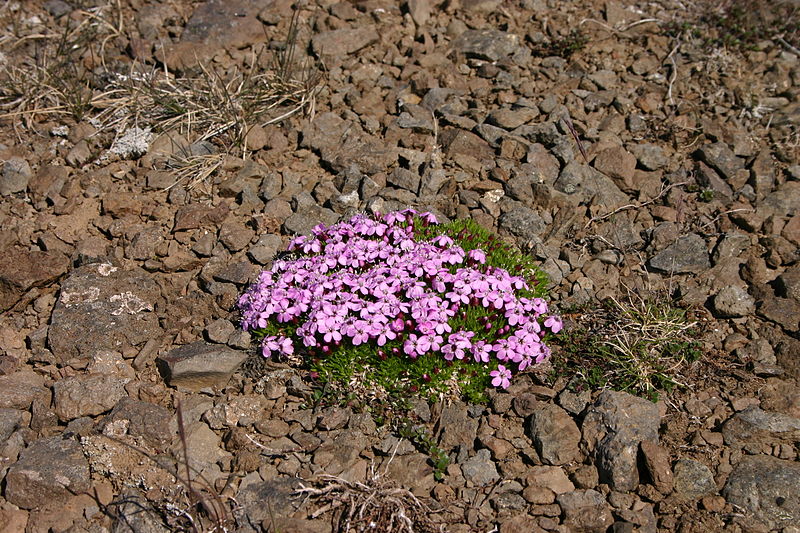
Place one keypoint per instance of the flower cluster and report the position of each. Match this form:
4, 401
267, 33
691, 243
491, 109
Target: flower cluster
372, 279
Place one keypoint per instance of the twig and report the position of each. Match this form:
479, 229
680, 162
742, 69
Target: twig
634, 206
674, 74
792, 49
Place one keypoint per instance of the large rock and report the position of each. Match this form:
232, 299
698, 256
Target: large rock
554, 434
102, 308
200, 365
48, 470
613, 429
20, 270
756, 426
767, 488
87, 395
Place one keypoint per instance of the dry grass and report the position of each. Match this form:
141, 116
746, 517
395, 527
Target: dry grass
375, 505
639, 344
68, 76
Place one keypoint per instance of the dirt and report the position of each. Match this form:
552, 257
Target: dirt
157, 155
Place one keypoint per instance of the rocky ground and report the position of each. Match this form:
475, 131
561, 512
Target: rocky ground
638, 150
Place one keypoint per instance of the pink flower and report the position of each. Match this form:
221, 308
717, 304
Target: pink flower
502, 377
554, 323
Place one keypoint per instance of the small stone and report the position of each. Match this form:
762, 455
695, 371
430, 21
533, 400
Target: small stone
20, 389
733, 302
782, 311
479, 469
404, 179
491, 45
688, 255
522, 222
755, 425
721, 158
200, 365
649, 156
586, 511
618, 164
656, 461
693, 480
345, 41
613, 428
220, 330
15, 177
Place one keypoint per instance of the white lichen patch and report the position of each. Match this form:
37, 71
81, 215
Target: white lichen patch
129, 303
133, 143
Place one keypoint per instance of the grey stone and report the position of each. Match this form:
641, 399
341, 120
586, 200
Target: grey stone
721, 158
457, 427
522, 222
687, 255
649, 156
554, 434
768, 488
264, 250
235, 236
758, 350
584, 184
302, 223
238, 272
491, 45
708, 178
730, 245
267, 501
48, 471
21, 270
200, 365
141, 419
220, 330
613, 428
479, 469
782, 311
404, 179
585, 511
754, 425
16, 175
693, 479
732, 302
87, 395
134, 514
103, 308
11, 420
788, 283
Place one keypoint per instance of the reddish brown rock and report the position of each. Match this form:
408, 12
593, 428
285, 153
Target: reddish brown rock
21, 270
